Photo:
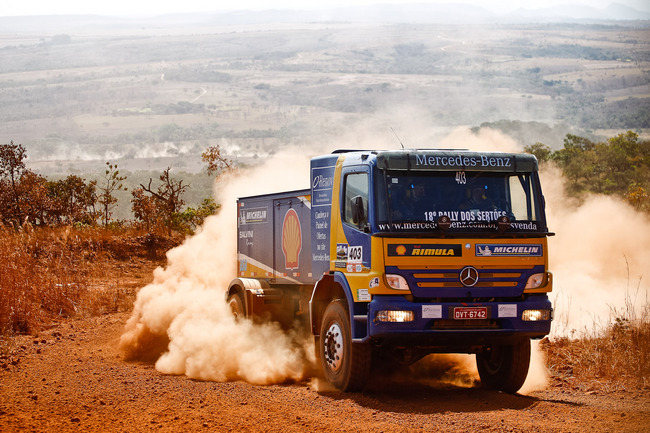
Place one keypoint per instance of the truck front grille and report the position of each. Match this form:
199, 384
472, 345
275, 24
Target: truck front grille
450, 278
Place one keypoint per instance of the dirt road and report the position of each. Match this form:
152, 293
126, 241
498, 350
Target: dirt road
72, 378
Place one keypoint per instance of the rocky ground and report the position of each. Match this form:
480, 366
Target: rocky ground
72, 377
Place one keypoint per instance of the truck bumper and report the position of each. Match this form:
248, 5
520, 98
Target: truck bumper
457, 324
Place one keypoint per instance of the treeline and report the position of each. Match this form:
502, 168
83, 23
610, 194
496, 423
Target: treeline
182, 141
578, 51
618, 166
27, 197
181, 107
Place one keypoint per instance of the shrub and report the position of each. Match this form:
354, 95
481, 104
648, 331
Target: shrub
48, 273
616, 358
40, 277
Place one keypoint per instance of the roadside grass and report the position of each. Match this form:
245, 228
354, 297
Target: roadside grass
615, 357
48, 274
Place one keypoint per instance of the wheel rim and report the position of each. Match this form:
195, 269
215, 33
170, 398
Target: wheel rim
236, 307
333, 345
493, 360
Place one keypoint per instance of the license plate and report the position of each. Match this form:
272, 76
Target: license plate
470, 313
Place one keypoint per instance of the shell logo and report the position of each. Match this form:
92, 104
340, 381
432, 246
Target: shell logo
291, 239
400, 250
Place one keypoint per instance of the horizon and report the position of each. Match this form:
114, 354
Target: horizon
123, 8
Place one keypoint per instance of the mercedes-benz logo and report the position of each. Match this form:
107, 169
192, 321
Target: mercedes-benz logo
468, 276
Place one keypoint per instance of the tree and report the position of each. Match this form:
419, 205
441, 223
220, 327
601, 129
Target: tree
638, 197
111, 183
168, 197
541, 151
578, 161
12, 166
144, 208
12, 160
626, 163
33, 197
73, 200
620, 166
190, 219
216, 160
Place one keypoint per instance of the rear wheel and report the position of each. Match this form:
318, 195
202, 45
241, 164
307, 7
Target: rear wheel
346, 365
504, 367
236, 304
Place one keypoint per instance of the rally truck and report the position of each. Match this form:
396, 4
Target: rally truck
397, 254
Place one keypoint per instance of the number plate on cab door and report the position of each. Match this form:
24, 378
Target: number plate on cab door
462, 313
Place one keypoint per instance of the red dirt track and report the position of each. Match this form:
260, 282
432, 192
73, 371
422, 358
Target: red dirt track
72, 378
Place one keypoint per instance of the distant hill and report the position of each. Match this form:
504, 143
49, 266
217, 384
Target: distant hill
579, 13
447, 13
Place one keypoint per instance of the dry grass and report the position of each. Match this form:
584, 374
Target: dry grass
52, 273
615, 359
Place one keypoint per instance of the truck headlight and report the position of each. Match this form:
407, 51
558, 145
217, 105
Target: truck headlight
395, 316
535, 315
536, 281
397, 282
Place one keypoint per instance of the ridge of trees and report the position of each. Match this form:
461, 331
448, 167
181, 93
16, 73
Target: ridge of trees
618, 166
27, 197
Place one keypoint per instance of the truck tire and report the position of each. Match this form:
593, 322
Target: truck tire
346, 365
504, 367
236, 304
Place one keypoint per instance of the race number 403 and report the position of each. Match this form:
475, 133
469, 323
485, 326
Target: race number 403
355, 254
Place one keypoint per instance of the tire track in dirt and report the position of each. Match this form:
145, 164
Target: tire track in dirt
72, 378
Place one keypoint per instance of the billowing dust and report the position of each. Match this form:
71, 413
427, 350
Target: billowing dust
598, 259
182, 322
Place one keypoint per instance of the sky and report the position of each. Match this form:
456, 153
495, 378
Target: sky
145, 7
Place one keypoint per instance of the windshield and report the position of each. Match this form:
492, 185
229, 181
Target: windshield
408, 201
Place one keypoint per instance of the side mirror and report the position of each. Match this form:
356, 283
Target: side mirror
358, 211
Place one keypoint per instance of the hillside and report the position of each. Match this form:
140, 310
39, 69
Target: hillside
151, 97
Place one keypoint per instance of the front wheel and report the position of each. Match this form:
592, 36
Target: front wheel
504, 367
346, 365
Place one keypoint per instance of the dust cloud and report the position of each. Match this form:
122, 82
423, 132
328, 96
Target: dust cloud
455, 369
538, 375
182, 321
598, 259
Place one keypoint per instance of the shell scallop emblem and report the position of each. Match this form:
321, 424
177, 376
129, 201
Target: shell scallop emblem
291, 239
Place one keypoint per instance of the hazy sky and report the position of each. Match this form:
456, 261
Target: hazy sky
139, 7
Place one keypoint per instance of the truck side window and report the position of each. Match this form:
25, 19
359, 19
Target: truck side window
356, 200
